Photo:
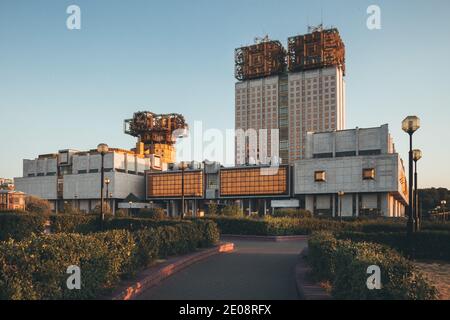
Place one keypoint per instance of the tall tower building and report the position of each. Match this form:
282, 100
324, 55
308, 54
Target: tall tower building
296, 91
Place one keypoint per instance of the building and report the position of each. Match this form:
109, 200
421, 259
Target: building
352, 173
360, 165
11, 200
305, 94
73, 177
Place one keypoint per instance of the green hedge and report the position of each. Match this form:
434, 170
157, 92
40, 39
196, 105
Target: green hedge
292, 213
35, 268
270, 226
78, 223
345, 264
431, 245
20, 225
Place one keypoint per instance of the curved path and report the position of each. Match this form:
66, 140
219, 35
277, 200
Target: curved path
256, 270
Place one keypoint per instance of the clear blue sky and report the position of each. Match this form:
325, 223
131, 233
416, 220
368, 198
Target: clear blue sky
72, 89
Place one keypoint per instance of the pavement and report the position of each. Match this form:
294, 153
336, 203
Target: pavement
255, 270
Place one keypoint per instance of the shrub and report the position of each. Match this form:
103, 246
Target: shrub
134, 224
151, 213
74, 223
431, 245
17, 225
213, 209
36, 268
240, 226
232, 211
37, 205
106, 209
345, 264
321, 247
209, 231
292, 213
121, 213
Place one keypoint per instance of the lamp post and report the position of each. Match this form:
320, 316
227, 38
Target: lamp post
444, 208
417, 155
107, 182
340, 195
410, 125
183, 168
129, 209
103, 149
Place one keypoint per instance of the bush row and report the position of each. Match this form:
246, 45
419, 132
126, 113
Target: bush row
20, 225
344, 263
432, 245
35, 268
270, 226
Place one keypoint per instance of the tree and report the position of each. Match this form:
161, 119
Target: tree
37, 205
232, 211
213, 209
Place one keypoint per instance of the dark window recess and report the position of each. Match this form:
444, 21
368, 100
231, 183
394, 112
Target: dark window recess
323, 155
93, 171
82, 171
131, 172
41, 174
51, 173
31, 174
345, 154
140, 173
369, 152
120, 170
108, 170
368, 174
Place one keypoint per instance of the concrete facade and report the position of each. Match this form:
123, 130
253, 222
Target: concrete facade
337, 163
295, 104
74, 177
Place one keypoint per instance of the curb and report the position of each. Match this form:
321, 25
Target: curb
153, 275
307, 289
264, 238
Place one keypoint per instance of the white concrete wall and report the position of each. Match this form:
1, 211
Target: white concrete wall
345, 174
87, 186
42, 187
360, 139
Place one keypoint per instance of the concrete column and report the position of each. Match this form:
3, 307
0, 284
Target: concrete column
357, 205
194, 208
249, 206
335, 210
265, 206
168, 208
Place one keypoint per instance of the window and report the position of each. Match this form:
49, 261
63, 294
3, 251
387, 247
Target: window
320, 176
369, 174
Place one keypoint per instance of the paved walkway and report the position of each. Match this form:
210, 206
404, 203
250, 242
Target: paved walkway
255, 270
438, 273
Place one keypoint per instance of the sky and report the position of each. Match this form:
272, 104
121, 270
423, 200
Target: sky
62, 88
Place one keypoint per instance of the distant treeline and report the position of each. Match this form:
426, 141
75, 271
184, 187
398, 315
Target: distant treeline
429, 199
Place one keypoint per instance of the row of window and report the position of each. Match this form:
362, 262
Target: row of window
367, 174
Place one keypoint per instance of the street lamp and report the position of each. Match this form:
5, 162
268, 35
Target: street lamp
129, 209
417, 155
103, 149
340, 195
410, 125
107, 182
183, 168
444, 210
